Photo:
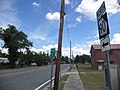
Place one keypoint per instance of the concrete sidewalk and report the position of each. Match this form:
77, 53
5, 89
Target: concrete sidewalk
74, 82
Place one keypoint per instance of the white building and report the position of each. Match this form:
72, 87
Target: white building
4, 60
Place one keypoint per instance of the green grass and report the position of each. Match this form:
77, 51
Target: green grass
62, 82
92, 79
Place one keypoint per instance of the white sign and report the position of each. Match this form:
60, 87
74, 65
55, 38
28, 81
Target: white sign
101, 10
105, 44
103, 26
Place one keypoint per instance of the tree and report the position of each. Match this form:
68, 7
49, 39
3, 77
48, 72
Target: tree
85, 58
40, 59
82, 59
65, 59
77, 59
14, 40
28, 57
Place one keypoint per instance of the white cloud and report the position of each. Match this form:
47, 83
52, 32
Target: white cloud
78, 19
78, 49
116, 38
44, 48
3, 50
38, 37
38, 34
37, 50
8, 14
36, 4
96, 36
89, 7
67, 2
53, 16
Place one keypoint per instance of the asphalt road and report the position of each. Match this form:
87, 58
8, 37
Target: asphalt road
26, 78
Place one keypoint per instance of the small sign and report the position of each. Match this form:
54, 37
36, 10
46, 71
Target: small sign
101, 10
105, 44
103, 26
52, 52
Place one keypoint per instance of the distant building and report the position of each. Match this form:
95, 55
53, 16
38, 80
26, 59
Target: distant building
4, 60
98, 57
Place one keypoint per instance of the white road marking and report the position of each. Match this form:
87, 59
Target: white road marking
50, 80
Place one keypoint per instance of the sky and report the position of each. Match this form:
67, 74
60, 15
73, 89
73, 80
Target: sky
39, 20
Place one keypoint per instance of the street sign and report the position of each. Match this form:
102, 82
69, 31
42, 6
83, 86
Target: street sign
101, 10
105, 44
103, 26
52, 52
104, 36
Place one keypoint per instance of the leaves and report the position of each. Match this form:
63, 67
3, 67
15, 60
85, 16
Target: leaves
82, 59
14, 40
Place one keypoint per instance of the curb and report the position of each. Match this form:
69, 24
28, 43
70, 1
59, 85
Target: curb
46, 85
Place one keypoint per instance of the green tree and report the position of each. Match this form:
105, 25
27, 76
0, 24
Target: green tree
82, 59
85, 58
40, 59
65, 59
14, 40
77, 59
47, 59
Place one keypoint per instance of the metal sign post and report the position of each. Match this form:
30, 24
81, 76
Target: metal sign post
104, 38
108, 68
51, 74
52, 54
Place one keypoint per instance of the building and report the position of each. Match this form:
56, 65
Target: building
98, 57
4, 60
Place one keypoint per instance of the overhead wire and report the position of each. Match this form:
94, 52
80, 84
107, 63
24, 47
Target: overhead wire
67, 24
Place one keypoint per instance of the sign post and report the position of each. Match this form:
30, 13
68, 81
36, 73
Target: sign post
52, 54
104, 39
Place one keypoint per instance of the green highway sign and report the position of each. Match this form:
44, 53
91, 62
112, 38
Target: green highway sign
52, 52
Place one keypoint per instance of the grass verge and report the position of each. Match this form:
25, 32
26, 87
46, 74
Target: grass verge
62, 82
91, 79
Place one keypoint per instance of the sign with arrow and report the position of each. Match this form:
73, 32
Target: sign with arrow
105, 44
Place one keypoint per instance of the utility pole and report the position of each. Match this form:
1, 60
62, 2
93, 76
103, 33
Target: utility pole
62, 13
70, 54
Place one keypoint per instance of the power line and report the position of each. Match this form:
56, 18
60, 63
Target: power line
67, 24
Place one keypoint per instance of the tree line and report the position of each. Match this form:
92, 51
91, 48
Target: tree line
16, 41
19, 53
82, 59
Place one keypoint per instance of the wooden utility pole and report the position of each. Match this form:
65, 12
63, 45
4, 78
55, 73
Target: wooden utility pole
62, 13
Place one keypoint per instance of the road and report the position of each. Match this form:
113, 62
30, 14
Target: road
25, 78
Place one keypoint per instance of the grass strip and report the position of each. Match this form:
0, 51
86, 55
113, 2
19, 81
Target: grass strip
62, 82
91, 79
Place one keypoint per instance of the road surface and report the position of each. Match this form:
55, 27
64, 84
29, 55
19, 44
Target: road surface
26, 78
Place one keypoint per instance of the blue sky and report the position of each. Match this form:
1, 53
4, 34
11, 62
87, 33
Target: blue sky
39, 19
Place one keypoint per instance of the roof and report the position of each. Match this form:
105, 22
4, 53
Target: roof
113, 46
